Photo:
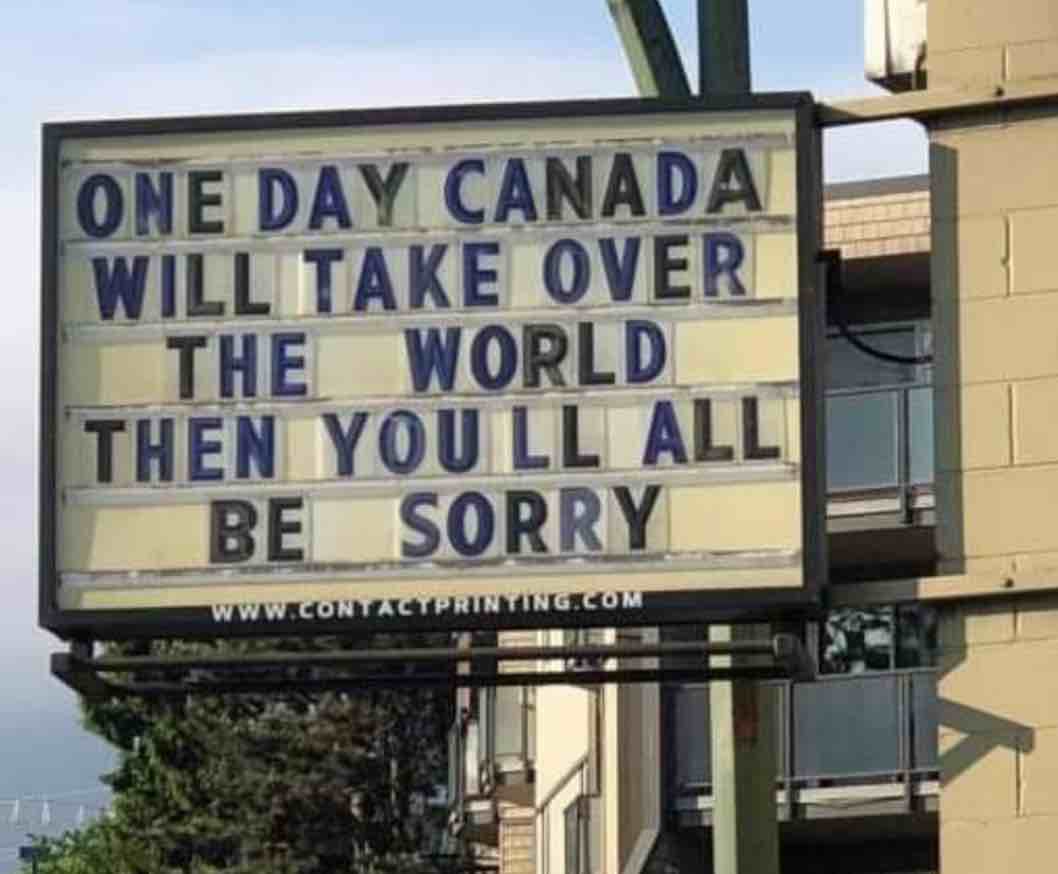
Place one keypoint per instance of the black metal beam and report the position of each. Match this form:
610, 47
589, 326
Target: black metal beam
82, 678
789, 651
427, 655
278, 672
283, 685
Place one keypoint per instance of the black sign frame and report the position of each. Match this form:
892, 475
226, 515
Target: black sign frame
658, 608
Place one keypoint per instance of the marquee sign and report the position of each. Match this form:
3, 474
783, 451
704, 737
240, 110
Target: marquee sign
526, 365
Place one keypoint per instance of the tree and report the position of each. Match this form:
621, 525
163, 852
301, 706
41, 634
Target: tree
293, 784
95, 848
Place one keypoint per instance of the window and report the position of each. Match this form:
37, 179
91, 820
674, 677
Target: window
879, 639
849, 367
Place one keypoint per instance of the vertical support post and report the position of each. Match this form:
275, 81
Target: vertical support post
745, 824
723, 47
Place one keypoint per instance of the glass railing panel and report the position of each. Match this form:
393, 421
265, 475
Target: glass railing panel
856, 729
847, 726
863, 440
920, 435
693, 765
924, 716
509, 717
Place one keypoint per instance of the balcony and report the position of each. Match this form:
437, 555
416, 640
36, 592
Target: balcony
879, 421
852, 745
879, 454
507, 743
471, 814
490, 760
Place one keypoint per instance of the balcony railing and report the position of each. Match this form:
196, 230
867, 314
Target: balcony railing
575, 798
853, 731
506, 740
470, 812
868, 740
880, 451
868, 737
490, 758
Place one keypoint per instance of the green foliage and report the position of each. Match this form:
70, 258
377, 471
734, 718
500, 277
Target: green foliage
96, 848
266, 784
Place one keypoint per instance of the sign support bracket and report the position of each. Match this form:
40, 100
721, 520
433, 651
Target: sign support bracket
780, 657
745, 819
650, 48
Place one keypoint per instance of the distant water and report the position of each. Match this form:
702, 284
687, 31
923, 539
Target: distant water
46, 754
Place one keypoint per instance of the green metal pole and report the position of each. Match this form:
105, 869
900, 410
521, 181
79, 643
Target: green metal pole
650, 49
745, 824
742, 712
743, 732
723, 47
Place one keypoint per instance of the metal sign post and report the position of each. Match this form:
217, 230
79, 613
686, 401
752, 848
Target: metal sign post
745, 828
723, 47
650, 49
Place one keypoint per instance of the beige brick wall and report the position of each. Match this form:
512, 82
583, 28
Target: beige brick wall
866, 227
995, 289
977, 42
999, 736
517, 842
994, 215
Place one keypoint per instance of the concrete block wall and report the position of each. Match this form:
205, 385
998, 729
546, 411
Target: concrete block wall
981, 42
995, 304
999, 736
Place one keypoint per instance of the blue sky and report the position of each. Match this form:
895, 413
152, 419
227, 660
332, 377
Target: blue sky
115, 58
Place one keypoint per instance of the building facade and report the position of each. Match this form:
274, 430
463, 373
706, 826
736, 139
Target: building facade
617, 778
930, 740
